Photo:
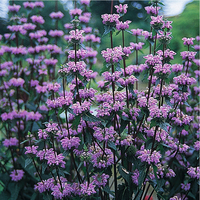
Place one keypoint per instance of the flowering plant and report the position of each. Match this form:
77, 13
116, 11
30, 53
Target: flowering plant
120, 142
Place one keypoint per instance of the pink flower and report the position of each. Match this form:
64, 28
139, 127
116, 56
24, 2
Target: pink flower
137, 31
123, 25
10, 142
37, 19
121, 8
110, 19
85, 2
56, 15
17, 175
14, 8
74, 12
188, 41
29, 5
76, 36
56, 33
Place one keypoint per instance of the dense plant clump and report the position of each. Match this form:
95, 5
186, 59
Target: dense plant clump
63, 139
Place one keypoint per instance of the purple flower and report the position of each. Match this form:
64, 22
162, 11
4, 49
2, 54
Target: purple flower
85, 18
167, 24
121, 9
37, 19
184, 80
10, 142
113, 55
16, 82
85, 2
112, 77
146, 156
188, 41
186, 186
53, 158
56, 15
39, 4
157, 22
137, 31
194, 172
87, 189
68, 143
135, 176
17, 175
32, 149
84, 107
197, 145
14, 8
100, 180
75, 12
162, 69
152, 10
56, 33
137, 46
188, 55
110, 19
29, 5
76, 36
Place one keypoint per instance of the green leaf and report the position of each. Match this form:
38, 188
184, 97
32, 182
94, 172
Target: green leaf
15, 192
164, 126
107, 30
107, 190
89, 117
124, 173
142, 172
140, 135
44, 166
51, 112
28, 161
76, 121
112, 145
70, 77
34, 196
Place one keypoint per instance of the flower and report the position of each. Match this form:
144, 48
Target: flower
14, 8
17, 175
113, 55
76, 36
110, 19
137, 31
188, 41
37, 19
56, 15
121, 9
152, 10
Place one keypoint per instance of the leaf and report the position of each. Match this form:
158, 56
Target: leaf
28, 161
34, 196
107, 29
51, 112
129, 32
140, 135
44, 166
15, 192
118, 32
70, 77
124, 173
107, 190
112, 145
155, 169
76, 121
157, 81
23, 90
89, 117
164, 126
142, 173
